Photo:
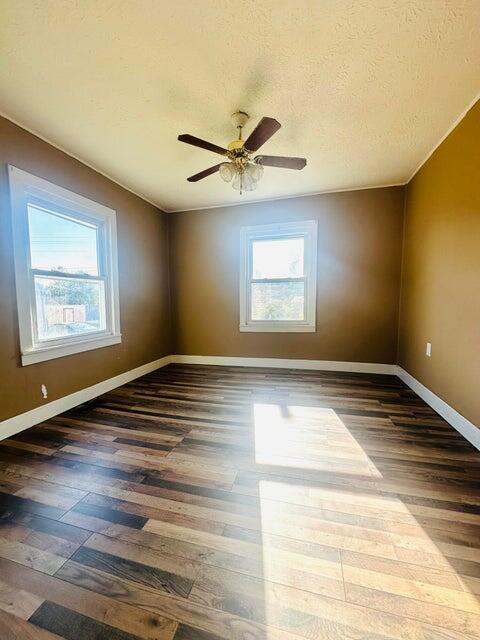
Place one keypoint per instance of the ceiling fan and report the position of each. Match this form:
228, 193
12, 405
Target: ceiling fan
241, 168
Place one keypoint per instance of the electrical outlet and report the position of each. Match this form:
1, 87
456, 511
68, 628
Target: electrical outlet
44, 391
428, 350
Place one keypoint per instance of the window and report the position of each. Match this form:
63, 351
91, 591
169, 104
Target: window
278, 277
65, 270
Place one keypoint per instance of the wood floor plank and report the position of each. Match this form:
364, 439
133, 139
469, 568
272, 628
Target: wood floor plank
173, 564
15, 628
134, 571
17, 601
71, 625
442, 616
185, 632
439, 577
426, 592
30, 557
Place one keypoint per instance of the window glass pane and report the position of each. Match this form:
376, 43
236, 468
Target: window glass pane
68, 307
60, 244
282, 258
278, 300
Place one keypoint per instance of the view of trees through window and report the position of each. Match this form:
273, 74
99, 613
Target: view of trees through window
72, 291
68, 306
278, 301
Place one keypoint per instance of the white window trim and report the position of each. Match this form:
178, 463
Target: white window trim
26, 188
307, 229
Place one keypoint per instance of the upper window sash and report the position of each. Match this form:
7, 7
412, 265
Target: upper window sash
76, 215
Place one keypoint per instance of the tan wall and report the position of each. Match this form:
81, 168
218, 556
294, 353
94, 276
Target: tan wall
440, 300
359, 257
143, 273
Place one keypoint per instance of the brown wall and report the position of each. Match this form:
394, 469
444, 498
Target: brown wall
440, 300
359, 257
143, 274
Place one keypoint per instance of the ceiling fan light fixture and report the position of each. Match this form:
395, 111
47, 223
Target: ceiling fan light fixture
227, 171
255, 170
247, 177
243, 182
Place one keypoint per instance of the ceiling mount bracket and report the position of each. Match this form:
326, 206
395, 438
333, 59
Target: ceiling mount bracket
239, 119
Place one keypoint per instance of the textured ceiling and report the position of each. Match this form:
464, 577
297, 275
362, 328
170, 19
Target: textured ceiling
364, 89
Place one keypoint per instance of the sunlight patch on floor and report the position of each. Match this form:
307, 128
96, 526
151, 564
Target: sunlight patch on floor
352, 507
309, 438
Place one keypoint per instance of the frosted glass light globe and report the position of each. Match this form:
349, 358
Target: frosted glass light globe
227, 171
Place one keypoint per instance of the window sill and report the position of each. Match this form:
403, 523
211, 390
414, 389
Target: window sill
277, 328
50, 353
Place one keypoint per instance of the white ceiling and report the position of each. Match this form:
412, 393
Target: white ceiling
364, 89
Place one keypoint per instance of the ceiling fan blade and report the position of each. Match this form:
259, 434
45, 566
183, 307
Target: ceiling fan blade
283, 162
204, 173
262, 132
203, 144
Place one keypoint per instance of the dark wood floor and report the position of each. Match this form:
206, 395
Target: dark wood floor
200, 503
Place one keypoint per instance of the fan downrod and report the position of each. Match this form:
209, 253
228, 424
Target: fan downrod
239, 120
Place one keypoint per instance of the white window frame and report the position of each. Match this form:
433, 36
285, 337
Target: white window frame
308, 231
26, 189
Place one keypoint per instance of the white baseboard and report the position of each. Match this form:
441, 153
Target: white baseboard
14, 425
285, 363
468, 430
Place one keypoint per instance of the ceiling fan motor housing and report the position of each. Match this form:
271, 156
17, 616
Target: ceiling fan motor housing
235, 146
